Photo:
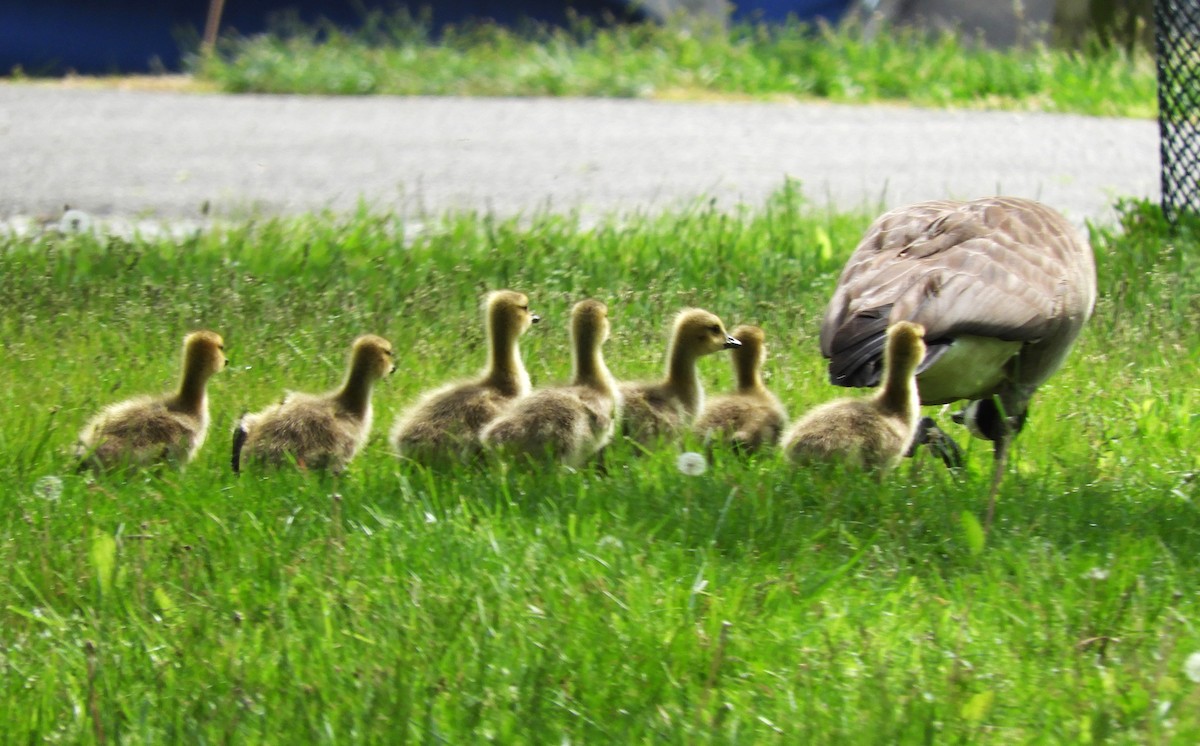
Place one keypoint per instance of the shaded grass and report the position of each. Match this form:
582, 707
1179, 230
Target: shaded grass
399, 55
752, 603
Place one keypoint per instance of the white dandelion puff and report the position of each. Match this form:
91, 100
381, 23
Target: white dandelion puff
1191, 667
48, 488
75, 221
691, 463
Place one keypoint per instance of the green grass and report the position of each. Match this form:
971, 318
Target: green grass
398, 55
753, 603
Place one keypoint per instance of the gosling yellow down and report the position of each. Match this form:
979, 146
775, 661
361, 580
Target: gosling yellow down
155, 429
317, 431
873, 432
444, 425
751, 417
665, 408
568, 423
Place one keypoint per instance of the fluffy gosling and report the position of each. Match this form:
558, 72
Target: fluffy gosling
664, 408
565, 423
871, 433
751, 417
317, 431
444, 425
147, 430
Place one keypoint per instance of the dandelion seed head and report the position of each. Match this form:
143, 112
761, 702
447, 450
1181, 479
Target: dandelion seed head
75, 221
691, 463
48, 488
1191, 667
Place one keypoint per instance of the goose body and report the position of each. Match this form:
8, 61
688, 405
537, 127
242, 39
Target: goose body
751, 417
665, 408
1002, 285
873, 432
317, 431
444, 424
570, 423
152, 429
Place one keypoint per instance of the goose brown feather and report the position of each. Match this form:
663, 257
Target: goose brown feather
1000, 268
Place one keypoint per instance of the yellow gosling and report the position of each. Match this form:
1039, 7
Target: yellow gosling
147, 429
664, 409
751, 417
443, 426
317, 431
871, 433
569, 423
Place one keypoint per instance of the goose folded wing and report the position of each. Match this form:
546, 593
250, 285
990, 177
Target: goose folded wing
982, 286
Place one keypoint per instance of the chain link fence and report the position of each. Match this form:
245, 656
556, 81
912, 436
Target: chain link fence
1177, 38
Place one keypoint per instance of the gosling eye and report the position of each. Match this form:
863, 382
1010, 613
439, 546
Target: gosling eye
715, 329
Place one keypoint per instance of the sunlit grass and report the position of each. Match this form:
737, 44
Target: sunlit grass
748, 603
398, 55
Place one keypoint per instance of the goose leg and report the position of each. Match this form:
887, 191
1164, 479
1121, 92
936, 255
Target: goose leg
929, 434
999, 463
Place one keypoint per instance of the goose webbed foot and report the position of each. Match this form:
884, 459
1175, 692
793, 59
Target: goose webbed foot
930, 435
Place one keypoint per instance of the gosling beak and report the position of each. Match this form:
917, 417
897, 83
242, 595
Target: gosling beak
393, 370
730, 343
534, 318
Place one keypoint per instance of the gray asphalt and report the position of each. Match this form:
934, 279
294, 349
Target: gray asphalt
162, 156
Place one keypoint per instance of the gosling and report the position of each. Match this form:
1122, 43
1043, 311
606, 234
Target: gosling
656, 410
317, 431
868, 433
444, 425
568, 424
148, 430
752, 417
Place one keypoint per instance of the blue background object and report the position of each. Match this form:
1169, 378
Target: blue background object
51, 37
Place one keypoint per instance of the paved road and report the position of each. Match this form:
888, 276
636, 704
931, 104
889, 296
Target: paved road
123, 154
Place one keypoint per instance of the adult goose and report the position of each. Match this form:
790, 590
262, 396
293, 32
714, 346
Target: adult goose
1002, 285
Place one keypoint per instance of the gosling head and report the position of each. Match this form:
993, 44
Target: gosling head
906, 344
375, 353
507, 309
754, 343
204, 353
589, 320
702, 332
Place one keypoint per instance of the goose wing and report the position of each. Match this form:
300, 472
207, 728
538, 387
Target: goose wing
1004, 268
